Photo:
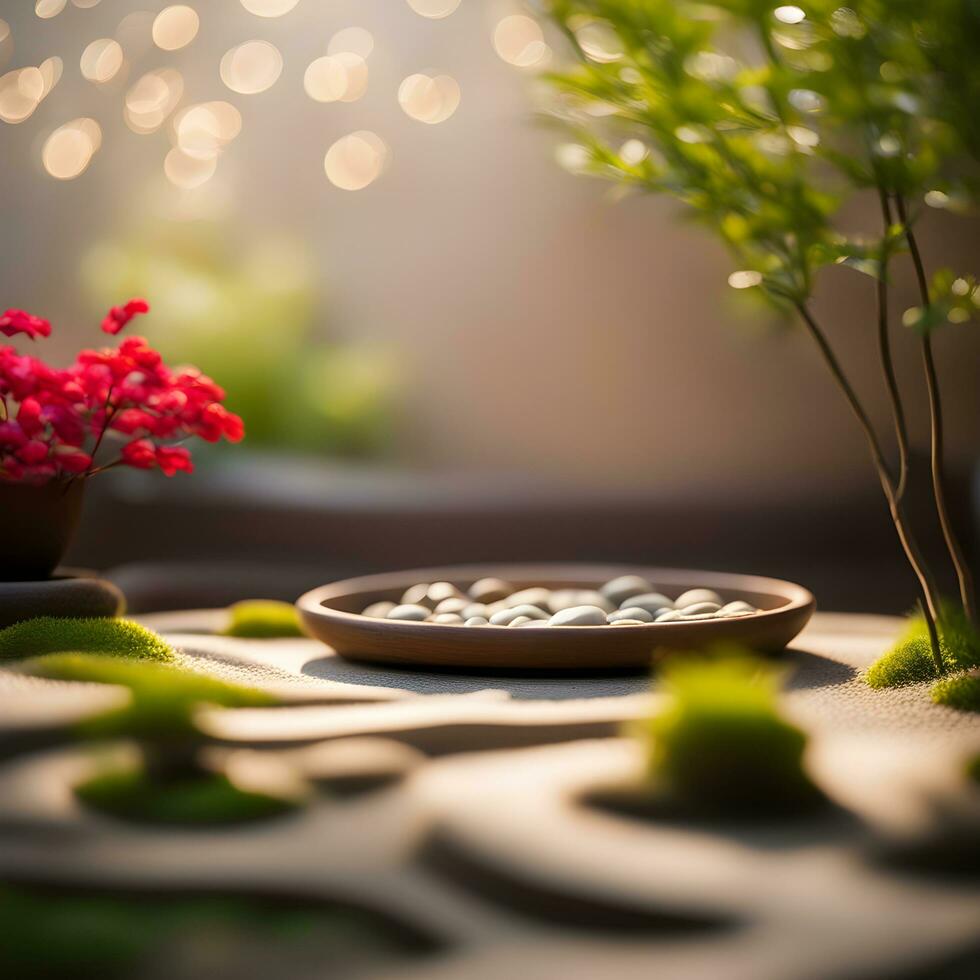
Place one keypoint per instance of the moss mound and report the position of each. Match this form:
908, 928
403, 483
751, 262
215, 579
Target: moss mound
65, 934
962, 692
163, 696
263, 619
720, 748
911, 661
197, 799
120, 638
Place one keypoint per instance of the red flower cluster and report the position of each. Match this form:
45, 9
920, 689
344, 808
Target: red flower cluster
54, 422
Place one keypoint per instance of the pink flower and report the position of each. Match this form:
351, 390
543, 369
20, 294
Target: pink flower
33, 452
173, 459
119, 316
18, 321
140, 454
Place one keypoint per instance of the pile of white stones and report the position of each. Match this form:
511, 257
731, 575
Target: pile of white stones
626, 601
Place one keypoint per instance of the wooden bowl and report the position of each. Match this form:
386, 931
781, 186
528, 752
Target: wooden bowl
331, 613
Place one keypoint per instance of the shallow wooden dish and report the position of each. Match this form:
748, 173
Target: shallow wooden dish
331, 614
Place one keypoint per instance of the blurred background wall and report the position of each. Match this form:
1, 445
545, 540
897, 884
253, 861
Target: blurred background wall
518, 318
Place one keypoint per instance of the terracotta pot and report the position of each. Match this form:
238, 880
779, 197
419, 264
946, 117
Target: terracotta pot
36, 526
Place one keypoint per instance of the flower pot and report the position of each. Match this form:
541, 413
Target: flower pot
36, 526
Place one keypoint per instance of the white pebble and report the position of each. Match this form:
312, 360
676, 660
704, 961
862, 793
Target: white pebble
699, 608
477, 621
454, 604
625, 587
536, 596
737, 608
447, 619
568, 598
668, 616
476, 609
521, 620
534, 622
692, 596
411, 612
579, 616
628, 622
633, 613
490, 590
505, 616
652, 602
378, 610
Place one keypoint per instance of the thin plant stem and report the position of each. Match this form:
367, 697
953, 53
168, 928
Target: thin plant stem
963, 575
885, 354
929, 606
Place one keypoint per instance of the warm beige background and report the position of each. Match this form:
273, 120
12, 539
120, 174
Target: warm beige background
539, 325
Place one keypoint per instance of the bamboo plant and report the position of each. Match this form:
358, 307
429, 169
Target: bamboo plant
764, 120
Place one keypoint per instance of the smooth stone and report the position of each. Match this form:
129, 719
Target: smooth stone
652, 602
697, 608
535, 622
618, 590
505, 616
579, 616
687, 617
355, 765
71, 594
490, 590
737, 608
476, 609
535, 596
633, 613
692, 596
378, 610
454, 604
668, 616
629, 622
521, 620
410, 612
447, 619
477, 621
569, 598
430, 594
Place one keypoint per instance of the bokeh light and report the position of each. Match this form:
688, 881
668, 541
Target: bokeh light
339, 77
49, 8
202, 131
434, 9
429, 100
599, 42
51, 70
518, 40
355, 160
85, 4
101, 60
252, 67
175, 27
188, 172
21, 92
744, 279
69, 149
354, 39
152, 99
269, 8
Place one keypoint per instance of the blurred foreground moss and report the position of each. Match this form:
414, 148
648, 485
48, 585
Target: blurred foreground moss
962, 692
911, 661
56, 935
720, 747
163, 696
263, 619
120, 638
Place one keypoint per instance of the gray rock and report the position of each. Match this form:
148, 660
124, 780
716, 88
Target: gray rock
625, 587
693, 596
378, 610
410, 612
652, 602
579, 616
504, 617
490, 590
636, 613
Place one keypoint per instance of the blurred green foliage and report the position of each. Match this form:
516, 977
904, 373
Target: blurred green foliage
764, 119
720, 746
962, 692
911, 659
245, 313
263, 619
116, 638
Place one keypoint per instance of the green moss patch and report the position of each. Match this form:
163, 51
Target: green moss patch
911, 660
961, 692
720, 747
195, 799
64, 934
263, 619
120, 638
163, 700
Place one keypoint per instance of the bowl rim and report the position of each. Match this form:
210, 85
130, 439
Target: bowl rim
312, 603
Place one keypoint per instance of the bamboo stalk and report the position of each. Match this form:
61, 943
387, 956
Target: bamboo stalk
963, 574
